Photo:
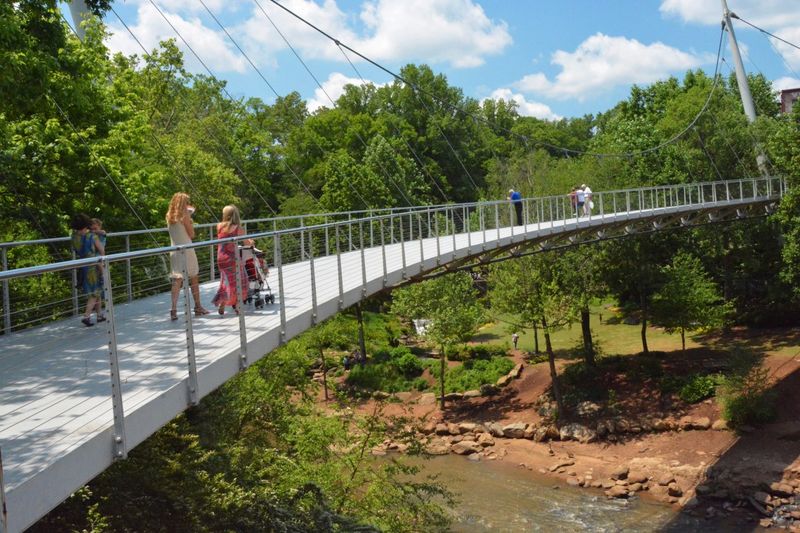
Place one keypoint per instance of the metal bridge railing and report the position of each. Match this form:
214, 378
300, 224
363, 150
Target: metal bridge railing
144, 271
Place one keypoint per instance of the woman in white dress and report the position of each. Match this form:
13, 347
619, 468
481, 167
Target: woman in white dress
181, 231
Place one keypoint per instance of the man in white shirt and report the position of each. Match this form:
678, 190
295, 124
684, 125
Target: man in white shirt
588, 204
581, 197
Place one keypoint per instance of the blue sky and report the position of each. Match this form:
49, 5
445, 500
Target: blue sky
556, 59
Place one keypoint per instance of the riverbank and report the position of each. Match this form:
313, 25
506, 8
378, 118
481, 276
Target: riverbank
679, 455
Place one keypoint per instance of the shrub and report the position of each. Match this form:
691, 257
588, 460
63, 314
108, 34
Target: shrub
698, 388
747, 399
419, 384
408, 365
582, 382
474, 373
669, 384
486, 351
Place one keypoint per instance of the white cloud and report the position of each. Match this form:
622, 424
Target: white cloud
524, 107
785, 83
213, 47
457, 32
780, 17
601, 63
333, 87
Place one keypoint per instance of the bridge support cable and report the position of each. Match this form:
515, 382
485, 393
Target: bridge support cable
229, 95
401, 190
120, 445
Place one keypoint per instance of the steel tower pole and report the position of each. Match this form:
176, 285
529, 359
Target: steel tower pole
79, 11
741, 79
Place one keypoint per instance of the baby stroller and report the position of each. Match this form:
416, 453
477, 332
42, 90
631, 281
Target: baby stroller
256, 269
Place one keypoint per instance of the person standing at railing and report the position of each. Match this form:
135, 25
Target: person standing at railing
231, 226
580, 196
573, 199
181, 231
588, 204
86, 243
516, 198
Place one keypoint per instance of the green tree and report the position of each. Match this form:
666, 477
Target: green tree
451, 304
687, 300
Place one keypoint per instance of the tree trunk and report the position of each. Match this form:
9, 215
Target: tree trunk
361, 344
324, 375
643, 302
535, 338
683, 340
442, 366
588, 345
551, 359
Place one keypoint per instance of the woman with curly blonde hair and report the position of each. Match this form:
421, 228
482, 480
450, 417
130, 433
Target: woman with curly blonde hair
181, 231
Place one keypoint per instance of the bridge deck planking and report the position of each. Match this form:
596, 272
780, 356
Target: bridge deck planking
53, 407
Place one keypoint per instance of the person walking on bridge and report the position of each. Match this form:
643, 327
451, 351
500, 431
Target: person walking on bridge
588, 204
516, 198
86, 243
181, 231
226, 261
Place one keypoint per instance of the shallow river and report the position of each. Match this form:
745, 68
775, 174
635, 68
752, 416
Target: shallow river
496, 496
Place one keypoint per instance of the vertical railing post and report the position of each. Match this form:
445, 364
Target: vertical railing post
211, 273
7, 296
278, 262
421, 243
120, 441
327, 242
350, 232
339, 265
482, 223
497, 221
438, 240
128, 277
3, 505
302, 241
187, 323
468, 228
313, 279
391, 227
453, 214
240, 306
363, 259
402, 246
75, 309
383, 252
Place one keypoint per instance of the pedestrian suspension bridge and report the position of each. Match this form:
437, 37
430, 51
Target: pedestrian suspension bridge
74, 399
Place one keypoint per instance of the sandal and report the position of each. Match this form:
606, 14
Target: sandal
201, 311
87, 321
101, 318
173, 314
221, 309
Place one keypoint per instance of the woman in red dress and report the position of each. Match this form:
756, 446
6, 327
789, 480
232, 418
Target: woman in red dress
226, 260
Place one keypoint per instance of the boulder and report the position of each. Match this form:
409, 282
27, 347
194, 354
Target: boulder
540, 434
403, 396
701, 422
601, 429
577, 432
673, 489
553, 433
635, 487
686, 423
573, 482
485, 439
617, 491
428, 398
622, 425
380, 395
659, 424
496, 430
515, 430
466, 427
452, 429
466, 447
487, 389
587, 408
608, 483
502, 381
561, 464
453, 397
428, 427
441, 429
666, 479
782, 490
637, 477
516, 371
762, 497
621, 472
529, 431
472, 394
719, 425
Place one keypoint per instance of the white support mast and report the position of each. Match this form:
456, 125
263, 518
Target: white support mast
79, 12
741, 79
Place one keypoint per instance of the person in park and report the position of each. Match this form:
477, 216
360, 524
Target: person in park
86, 243
580, 197
515, 339
516, 198
573, 199
588, 204
181, 231
231, 226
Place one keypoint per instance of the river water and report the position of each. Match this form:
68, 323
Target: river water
496, 496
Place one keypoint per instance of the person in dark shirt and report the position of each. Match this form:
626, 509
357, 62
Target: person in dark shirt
516, 198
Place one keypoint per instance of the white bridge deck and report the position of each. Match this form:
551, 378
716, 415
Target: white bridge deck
56, 417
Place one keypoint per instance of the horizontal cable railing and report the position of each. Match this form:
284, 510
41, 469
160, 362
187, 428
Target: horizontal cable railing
146, 270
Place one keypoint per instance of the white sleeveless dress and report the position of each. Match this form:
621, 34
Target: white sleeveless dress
178, 235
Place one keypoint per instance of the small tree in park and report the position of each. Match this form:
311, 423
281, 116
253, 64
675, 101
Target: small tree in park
451, 303
330, 334
688, 300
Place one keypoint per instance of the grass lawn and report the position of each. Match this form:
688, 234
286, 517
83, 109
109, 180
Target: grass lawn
612, 335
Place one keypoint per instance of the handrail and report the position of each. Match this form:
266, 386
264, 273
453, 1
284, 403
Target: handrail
147, 252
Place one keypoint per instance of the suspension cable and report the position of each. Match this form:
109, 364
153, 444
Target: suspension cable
456, 108
321, 88
762, 30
